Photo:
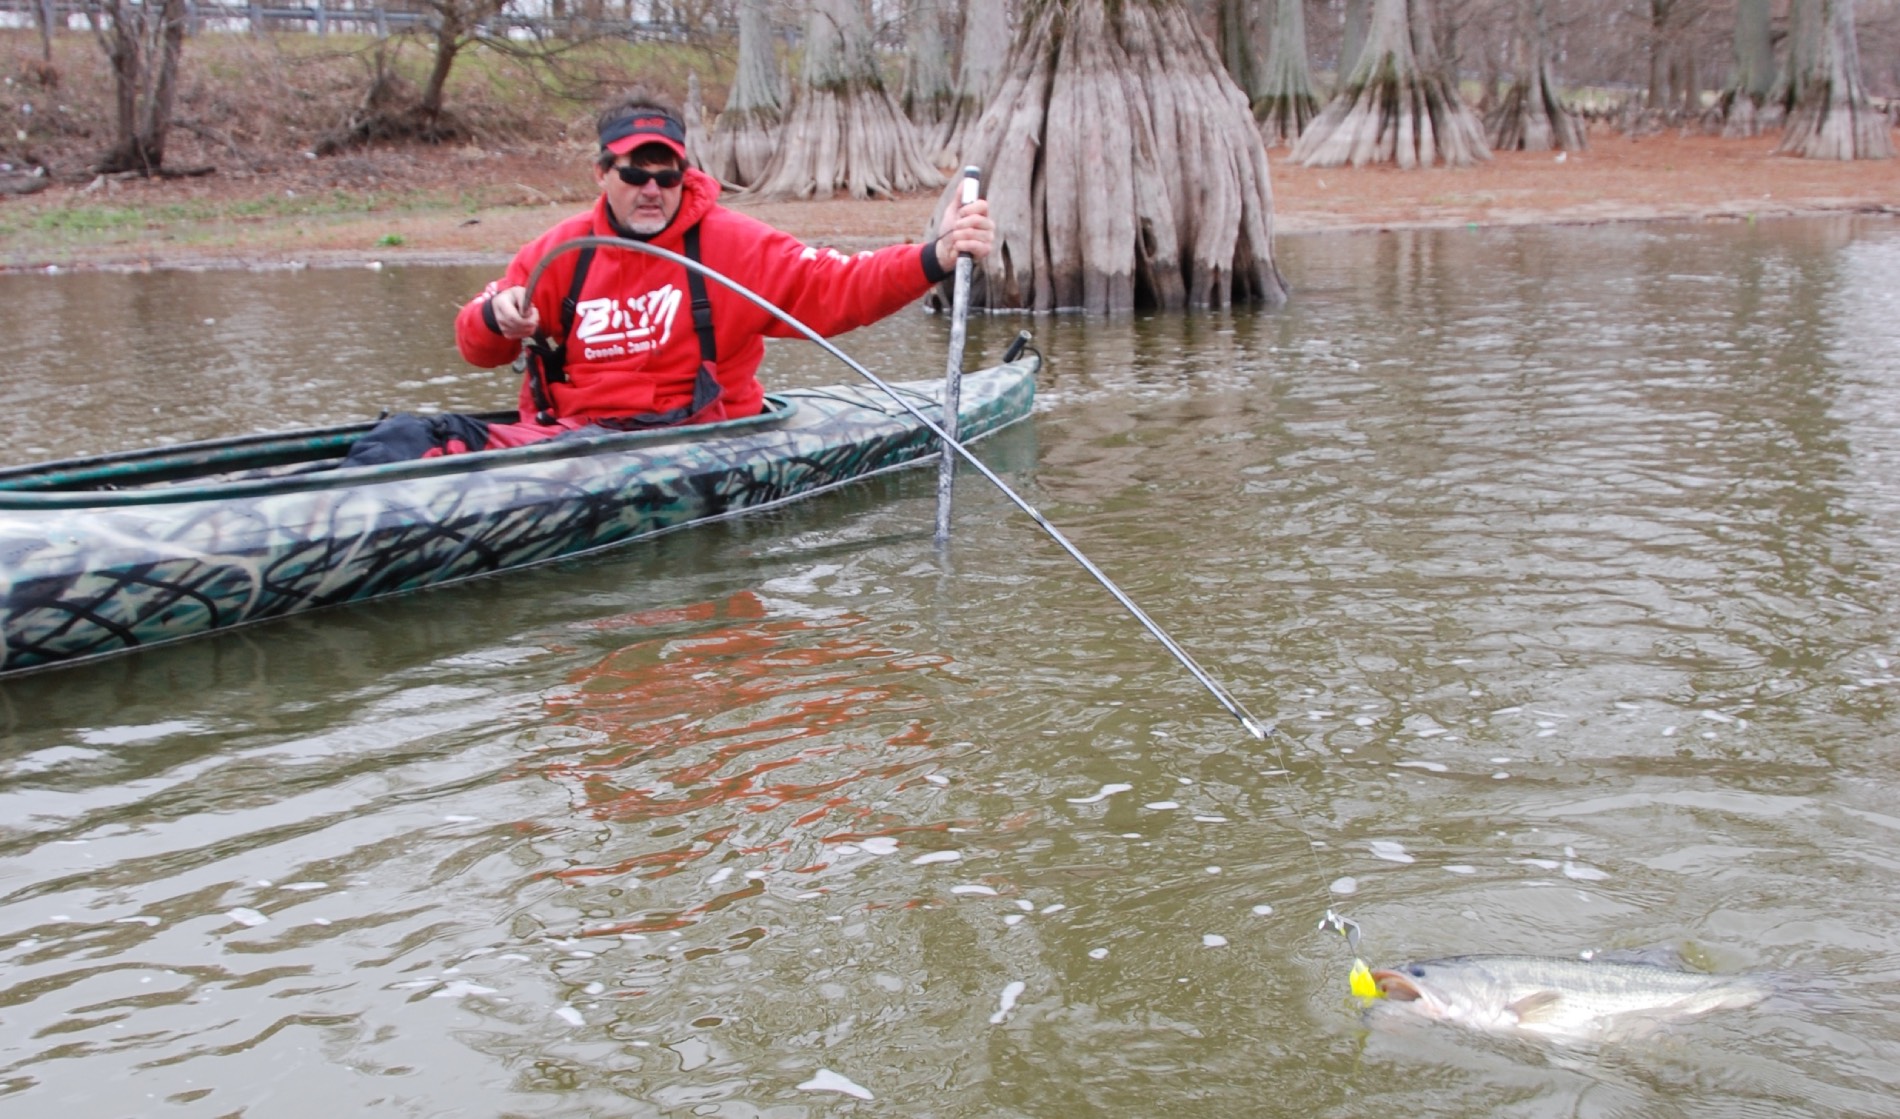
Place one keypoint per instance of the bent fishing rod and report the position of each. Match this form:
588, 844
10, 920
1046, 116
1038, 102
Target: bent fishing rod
1254, 726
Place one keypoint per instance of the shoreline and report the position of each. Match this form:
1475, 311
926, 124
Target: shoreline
405, 220
240, 261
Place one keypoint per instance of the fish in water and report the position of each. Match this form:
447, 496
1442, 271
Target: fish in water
1561, 999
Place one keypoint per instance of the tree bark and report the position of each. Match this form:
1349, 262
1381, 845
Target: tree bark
449, 39
143, 47
693, 121
1834, 119
1123, 167
1739, 112
1397, 106
1288, 102
1531, 117
844, 131
1352, 39
746, 133
45, 15
1237, 38
986, 44
1656, 98
929, 90
156, 120
1804, 55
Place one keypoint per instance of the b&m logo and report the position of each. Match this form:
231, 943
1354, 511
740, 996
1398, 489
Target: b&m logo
617, 328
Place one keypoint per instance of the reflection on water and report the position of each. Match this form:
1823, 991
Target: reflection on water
1563, 558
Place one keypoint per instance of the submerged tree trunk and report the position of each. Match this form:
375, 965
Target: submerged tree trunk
1739, 112
1834, 119
986, 40
844, 131
929, 94
143, 45
1288, 103
1531, 117
1123, 167
1397, 106
746, 133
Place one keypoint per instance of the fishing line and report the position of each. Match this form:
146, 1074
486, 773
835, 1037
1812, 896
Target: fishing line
1254, 726
1332, 921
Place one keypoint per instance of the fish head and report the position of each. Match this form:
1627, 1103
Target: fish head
1449, 991
1416, 985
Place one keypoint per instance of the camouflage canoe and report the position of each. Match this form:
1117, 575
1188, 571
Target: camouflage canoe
110, 553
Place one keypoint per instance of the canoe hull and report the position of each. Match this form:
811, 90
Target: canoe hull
84, 580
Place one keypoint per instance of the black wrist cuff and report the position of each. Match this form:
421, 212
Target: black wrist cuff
934, 271
488, 315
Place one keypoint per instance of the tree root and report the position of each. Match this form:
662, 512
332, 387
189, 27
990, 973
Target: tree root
1123, 168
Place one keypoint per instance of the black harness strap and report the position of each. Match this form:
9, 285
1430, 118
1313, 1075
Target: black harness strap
547, 361
546, 358
702, 303
706, 389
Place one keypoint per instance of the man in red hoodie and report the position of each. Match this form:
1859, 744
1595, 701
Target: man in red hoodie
623, 340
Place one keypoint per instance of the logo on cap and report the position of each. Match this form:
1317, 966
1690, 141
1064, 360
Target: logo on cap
622, 134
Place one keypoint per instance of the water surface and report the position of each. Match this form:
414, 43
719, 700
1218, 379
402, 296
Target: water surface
1563, 558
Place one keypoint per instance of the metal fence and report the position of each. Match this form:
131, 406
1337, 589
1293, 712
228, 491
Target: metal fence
368, 18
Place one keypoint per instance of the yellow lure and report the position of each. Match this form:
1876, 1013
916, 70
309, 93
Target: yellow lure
1361, 982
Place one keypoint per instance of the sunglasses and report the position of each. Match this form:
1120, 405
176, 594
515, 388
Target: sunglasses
640, 176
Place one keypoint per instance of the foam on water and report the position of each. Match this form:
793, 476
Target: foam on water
1007, 1001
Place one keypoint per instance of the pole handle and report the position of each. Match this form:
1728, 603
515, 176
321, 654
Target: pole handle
971, 185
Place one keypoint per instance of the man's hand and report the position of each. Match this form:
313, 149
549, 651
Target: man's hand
507, 305
966, 229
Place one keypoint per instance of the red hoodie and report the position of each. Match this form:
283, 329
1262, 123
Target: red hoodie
633, 351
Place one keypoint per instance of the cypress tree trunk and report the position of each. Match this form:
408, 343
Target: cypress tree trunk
1288, 103
1656, 98
746, 133
1531, 117
844, 131
1123, 167
929, 95
1804, 55
693, 119
1352, 39
1740, 110
986, 43
1397, 106
1834, 119
1236, 38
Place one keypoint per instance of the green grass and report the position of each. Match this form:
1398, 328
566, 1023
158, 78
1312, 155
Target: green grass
84, 220
94, 224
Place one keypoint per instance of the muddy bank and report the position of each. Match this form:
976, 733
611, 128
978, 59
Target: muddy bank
470, 206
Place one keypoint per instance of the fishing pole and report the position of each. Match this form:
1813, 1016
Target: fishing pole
1254, 726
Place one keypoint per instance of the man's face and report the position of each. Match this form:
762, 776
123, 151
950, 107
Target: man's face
649, 207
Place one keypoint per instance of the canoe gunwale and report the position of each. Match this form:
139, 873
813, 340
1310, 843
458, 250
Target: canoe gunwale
145, 469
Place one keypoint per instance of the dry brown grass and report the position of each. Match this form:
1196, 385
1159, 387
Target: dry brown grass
255, 105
